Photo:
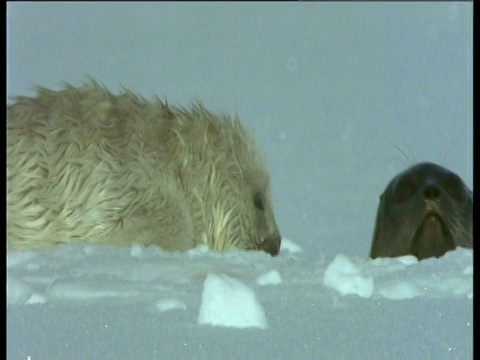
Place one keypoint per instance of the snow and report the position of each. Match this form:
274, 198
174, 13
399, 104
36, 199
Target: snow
87, 300
342, 97
170, 304
228, 302
271, 277
346, 277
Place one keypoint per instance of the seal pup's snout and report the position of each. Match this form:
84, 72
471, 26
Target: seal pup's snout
271, 244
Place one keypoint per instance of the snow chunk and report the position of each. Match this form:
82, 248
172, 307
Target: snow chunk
36, 299
17, 291
468, 270
198, 251
89, 249
346, 277
400, 290
136, 250
290, 246
408, 260
228, 302
78, 290
272, 277
33, 266
15, 258
170, 304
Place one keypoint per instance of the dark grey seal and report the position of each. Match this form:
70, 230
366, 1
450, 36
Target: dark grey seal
424, 211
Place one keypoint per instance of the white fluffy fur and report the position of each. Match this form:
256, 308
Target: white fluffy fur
87, 166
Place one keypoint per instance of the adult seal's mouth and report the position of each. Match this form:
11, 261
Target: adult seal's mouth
432, 238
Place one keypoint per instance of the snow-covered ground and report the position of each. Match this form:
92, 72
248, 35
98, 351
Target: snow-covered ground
90, 302
341, 96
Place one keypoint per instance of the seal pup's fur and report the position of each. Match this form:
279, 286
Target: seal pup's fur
87, 166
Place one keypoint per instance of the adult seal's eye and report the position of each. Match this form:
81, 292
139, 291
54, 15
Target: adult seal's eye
455, 188
404, 189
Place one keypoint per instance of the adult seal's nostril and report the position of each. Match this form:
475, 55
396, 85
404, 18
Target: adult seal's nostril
427, 228
431, 192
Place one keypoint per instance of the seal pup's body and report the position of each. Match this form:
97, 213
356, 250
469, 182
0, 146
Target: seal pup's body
87, 166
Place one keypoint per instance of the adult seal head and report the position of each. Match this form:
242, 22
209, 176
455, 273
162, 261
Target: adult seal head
425, 211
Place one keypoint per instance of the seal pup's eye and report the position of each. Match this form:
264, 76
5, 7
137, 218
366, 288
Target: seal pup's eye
258, 202
454, 187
